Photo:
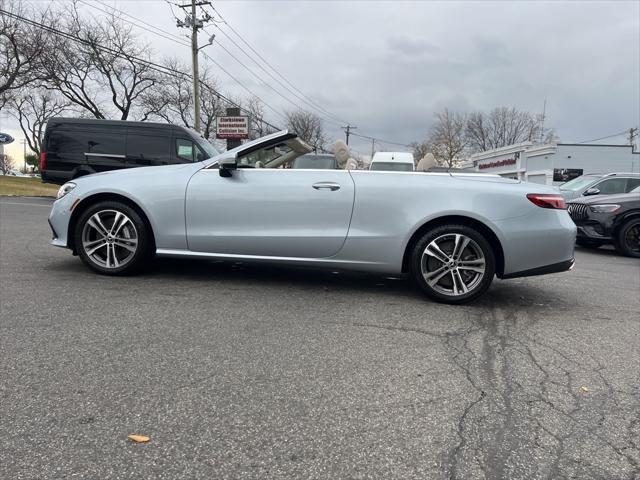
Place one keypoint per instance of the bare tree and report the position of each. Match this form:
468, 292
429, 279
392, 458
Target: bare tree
102, 67
447, 138
6, 163
502, 126
419, 150
171, 99
309, 128
32, 109
254, 108
21, 48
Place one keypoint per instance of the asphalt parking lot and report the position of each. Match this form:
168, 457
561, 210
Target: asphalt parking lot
241, 371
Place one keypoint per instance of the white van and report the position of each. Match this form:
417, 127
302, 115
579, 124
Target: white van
393, 162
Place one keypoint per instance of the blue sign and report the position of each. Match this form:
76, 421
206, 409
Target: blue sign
5, 138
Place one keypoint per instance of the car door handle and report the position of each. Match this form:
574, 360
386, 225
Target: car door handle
326, 185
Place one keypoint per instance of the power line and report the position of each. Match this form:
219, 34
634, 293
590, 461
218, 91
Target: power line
254, 74
310, 101
320, 110
624, 132
163, 69
277, 72
181, 41
152, 65
157, 31
266, 62
380, 140
304, 98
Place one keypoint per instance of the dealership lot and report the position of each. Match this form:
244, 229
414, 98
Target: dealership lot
259, 372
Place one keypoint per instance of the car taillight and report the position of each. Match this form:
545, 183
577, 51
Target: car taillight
547, 200
43, 161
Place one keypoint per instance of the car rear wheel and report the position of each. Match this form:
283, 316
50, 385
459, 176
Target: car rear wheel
628, 239
453, 264
111, 238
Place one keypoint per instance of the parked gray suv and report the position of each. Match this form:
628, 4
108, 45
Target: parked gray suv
599, 184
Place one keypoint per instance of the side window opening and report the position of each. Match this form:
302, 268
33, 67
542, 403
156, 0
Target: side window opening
145, 149
185, 150
632, 183
612, 185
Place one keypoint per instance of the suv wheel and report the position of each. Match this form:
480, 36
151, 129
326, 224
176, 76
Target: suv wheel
453, 264
111, 238
628, 239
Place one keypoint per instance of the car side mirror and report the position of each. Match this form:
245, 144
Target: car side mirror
226, 165
591, 191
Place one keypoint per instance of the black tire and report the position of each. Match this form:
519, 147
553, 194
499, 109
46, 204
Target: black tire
583, 242
627, 240
131, 244
477, 282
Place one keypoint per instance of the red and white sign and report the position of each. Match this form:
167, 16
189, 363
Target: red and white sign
236, 128
498, 163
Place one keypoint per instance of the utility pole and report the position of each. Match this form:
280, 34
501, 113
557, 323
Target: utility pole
24, 153
373, 147
347, 130
544, 113
195, 23
633, 133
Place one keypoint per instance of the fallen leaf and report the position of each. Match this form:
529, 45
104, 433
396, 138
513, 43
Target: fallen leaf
138, 438
585, 389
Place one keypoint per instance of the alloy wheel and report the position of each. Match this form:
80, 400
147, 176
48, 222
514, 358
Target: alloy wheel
632, 238
453, 264
109, 239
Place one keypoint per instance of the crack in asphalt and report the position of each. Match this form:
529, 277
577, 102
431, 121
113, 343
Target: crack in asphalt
512, 416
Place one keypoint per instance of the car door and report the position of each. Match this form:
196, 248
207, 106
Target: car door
275, 212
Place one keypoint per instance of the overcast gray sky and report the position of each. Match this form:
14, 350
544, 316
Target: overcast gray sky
387, 66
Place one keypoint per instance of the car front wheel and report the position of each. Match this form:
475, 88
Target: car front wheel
453, 264
111, 238
628, 238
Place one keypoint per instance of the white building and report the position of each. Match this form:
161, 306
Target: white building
554, 164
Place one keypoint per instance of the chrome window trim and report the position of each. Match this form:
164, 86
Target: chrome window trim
110, 155
211, 168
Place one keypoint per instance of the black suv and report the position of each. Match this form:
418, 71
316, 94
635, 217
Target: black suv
73, 147
608, 219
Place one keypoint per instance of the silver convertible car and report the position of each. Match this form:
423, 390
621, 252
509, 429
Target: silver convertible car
452, 233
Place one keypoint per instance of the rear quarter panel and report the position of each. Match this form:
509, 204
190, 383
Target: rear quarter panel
391, 207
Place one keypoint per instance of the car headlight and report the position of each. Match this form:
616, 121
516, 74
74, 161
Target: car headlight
66, 188
604, 208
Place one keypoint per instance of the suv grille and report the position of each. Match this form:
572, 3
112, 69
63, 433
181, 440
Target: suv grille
577, 211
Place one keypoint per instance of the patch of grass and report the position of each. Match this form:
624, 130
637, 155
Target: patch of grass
25, 186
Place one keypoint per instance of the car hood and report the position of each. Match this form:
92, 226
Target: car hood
114, 175
617, 198
569, 194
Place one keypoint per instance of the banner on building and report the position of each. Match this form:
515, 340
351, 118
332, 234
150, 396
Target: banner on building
566, 174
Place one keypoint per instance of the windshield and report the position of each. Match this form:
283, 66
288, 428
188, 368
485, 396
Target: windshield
578, 183
392, 166
207, 147
204, 144
325, 162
